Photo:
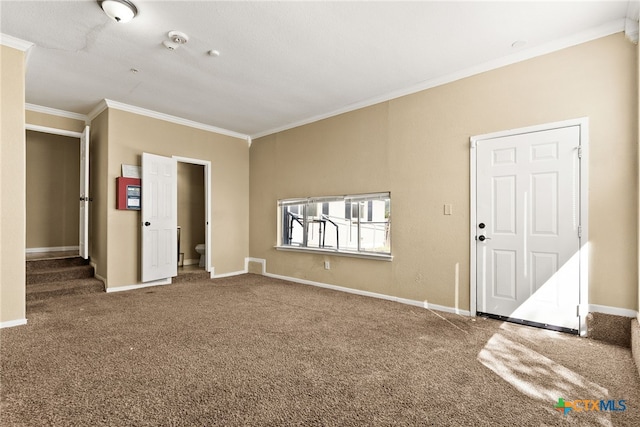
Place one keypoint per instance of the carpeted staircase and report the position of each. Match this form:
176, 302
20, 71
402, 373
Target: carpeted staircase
49, 278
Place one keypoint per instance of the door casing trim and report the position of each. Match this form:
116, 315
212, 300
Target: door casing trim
583, 123
207, 207
71, 134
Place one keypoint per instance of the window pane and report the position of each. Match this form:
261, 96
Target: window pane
292, 225
341, 232
315, 226
351, 223
375, 230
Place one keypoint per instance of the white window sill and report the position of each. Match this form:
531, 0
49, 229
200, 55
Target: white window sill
379, 257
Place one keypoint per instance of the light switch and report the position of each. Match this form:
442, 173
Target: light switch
448, 209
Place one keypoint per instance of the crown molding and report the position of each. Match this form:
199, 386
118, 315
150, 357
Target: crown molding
108, 103
631, 21
633, 10
14, 42
99, 108
576, 39
56, 112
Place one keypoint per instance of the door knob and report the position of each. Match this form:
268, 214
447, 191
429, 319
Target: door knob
147, 223
483, 238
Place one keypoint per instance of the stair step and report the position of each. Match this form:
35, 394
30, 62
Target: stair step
46, 290
47, 264
59, 274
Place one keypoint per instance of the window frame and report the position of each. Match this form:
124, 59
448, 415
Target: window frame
349, 200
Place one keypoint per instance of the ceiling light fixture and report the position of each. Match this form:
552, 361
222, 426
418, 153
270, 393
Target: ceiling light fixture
119, 10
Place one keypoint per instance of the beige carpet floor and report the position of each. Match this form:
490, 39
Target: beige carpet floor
255, 351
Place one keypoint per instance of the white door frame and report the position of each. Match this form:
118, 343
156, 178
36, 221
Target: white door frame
583, 123
83, 233
69, 133
207, 206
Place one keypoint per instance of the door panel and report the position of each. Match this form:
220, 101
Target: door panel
504, 201
159, 217
544, 204
528, 198
504, 279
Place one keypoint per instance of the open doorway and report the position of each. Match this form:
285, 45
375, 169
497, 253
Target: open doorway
193, 215
52, 183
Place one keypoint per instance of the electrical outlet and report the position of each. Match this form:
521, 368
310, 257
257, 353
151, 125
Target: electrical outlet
327, 265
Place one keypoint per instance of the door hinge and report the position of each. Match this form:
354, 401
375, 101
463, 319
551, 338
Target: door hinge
578, 310
579, 152
579, 231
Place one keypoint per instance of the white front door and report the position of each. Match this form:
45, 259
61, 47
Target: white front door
84, 194
159, 213
528, 219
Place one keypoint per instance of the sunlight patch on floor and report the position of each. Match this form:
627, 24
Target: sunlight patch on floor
537, 376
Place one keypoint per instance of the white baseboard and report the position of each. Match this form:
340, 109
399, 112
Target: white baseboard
96, 275
436, 307
191, 261
258, 260
415, 303
53, 249
12, 323
233, 273
605, 309
140, 285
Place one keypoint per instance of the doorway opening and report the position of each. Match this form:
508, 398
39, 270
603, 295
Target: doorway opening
193, 178
56, 227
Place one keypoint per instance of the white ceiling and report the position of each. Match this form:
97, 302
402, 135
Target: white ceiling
281, 63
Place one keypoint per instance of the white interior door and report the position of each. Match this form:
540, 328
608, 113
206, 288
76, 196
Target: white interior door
84, 194
159, 213
528, 219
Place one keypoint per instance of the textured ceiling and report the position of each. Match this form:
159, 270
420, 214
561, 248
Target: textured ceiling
281, 63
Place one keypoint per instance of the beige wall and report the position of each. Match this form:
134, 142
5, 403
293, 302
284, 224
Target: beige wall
98, 189
417, 147
53, 182
129, 135
51, 121
191, 199
12, 185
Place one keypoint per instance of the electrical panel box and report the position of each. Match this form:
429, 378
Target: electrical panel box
128, 193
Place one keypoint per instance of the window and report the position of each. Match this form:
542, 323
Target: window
356, 224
